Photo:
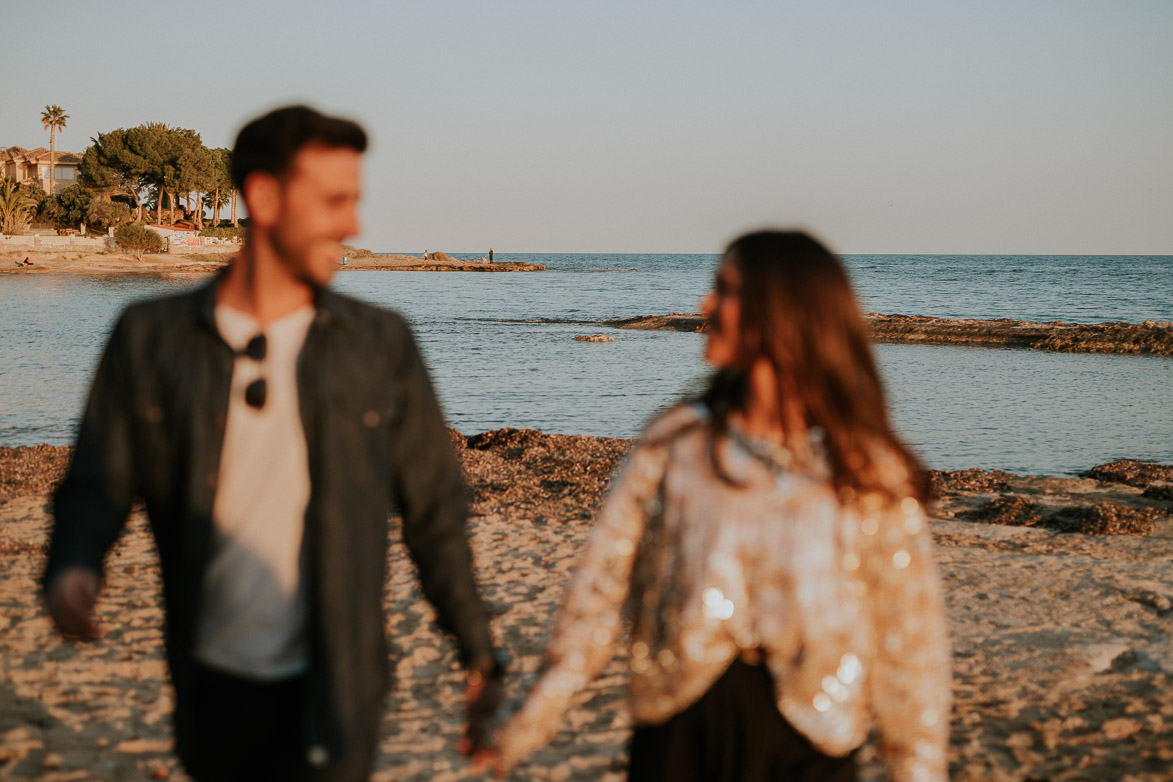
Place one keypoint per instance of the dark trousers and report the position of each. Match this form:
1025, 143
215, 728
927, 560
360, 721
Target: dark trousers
734, 733
246, 730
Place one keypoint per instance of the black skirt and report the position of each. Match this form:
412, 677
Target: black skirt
734, 733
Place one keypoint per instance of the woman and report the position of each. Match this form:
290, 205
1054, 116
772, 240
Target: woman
768, 546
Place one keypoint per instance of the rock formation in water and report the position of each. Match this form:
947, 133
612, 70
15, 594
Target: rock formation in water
1147, 338
436, 262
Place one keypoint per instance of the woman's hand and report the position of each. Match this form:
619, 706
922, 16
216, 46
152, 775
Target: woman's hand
484, 698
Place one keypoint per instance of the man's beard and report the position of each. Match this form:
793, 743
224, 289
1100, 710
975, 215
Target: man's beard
296, 261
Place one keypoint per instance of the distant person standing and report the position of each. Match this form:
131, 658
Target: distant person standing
490, 255
269, 424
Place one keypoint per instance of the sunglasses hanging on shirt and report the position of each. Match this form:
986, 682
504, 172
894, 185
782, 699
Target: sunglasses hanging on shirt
256, 391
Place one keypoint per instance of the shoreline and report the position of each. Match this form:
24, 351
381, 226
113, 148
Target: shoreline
1122, 497
1063, 664
82, 263
1154, 338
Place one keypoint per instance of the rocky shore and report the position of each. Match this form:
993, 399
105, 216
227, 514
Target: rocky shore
1148, 338
1059, 593
435, 262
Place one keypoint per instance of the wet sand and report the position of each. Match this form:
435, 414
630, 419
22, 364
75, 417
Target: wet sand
1148, 338
1063, 655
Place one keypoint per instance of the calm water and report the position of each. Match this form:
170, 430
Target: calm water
502, 352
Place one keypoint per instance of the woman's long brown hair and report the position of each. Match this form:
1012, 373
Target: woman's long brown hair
799, 312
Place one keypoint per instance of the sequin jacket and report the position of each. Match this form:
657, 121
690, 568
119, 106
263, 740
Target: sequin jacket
844, 603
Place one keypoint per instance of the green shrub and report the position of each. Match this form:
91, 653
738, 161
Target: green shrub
224, 232
69, 208
109, 213
138, 239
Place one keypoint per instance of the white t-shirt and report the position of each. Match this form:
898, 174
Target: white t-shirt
253, 605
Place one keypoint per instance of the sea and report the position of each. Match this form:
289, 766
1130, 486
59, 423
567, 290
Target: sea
502, 352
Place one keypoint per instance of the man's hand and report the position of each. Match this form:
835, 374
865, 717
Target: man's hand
71, 597
484, 698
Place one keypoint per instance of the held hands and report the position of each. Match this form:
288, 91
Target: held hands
71, 596
484, 698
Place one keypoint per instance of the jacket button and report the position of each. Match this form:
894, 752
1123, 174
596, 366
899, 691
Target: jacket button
370, 419
211, 480
317, 756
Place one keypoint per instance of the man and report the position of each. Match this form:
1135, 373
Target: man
268, 424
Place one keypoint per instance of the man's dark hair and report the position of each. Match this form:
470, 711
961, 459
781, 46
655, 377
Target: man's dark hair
270, 143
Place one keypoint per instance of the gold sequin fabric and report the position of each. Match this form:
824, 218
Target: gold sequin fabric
842, 601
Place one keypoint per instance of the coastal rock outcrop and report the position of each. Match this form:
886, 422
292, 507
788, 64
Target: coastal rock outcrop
675, 321
1148, 338
1156, 480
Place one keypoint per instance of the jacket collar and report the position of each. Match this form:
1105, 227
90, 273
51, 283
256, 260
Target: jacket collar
329, 306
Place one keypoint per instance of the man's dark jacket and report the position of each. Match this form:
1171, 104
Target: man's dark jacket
153, 429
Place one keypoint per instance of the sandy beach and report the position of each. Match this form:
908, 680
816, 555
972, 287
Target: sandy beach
1063, 654
11, 262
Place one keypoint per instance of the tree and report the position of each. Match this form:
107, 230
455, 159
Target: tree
155, 147
104, 214
15, 208
72, 207
170, 157
36, 194
140, 160
220, 183
194, 173
53, 118
109, 165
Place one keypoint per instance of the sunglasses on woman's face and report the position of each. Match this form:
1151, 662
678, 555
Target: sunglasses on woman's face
256, 391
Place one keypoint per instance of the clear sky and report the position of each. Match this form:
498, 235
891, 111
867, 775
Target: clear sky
934, 126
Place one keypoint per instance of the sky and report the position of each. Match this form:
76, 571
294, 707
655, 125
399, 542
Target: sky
1005, 126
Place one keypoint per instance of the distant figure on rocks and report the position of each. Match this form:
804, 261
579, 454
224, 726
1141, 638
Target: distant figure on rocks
269, 424
490, 255
767, 545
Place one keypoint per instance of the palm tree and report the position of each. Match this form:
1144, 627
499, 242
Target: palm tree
53, 118
15, 208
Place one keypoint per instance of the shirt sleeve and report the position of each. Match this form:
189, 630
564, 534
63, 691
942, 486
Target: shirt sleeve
910, 682
92, 502
591, 614
431, 494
